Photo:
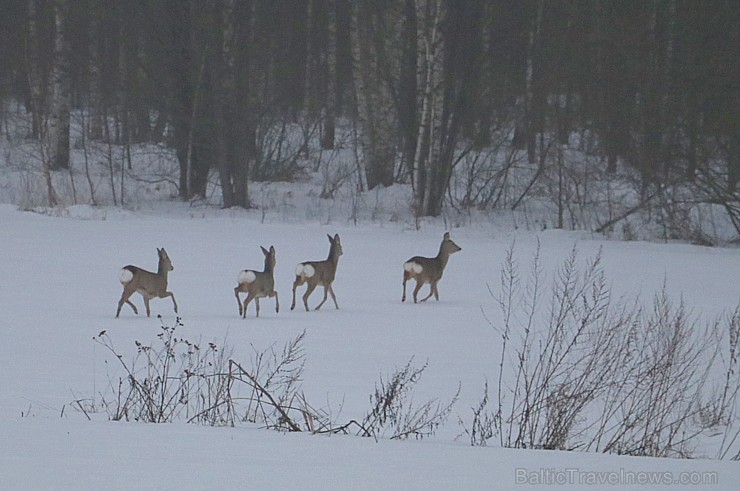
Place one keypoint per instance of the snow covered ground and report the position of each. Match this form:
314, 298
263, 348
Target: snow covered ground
60, 288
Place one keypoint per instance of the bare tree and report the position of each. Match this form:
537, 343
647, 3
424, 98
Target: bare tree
373, 44
59, 91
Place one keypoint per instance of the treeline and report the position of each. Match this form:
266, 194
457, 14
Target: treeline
651, 83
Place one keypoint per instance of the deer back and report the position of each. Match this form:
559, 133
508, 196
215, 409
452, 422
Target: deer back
260, 281
322, 272
146, 282
429, 269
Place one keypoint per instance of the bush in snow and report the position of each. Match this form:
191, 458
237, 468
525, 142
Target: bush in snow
174, 379
579, 369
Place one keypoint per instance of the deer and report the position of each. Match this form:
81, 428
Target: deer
428, 269
316, 273
149, 285
257, 284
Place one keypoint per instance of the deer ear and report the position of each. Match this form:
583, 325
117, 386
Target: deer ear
447, 236
264, 251
336, 237
272, 249
159, 251
330, 238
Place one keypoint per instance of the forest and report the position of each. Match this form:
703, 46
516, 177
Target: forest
648, 90
533, 137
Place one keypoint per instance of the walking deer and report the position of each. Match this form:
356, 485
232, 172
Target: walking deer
317, 273
428, 269
257, 284
149, 285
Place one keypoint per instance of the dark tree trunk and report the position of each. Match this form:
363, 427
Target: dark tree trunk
408, 112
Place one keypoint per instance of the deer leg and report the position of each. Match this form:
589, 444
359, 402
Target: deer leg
257, 304
431, 292
405, 279
171, 295
296, 284
309, 291
333, 297
435, 291
326, 294
125, 299
146, 304
277, 301
133, 307
244, 307
250, 297
238, 300
418, 286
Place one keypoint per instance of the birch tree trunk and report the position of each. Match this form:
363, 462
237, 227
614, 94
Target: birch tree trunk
376, 109
430, 55
408, 111
95, 108
33, 59
59, 103
38, 87
221, 53
531, 111
329, 82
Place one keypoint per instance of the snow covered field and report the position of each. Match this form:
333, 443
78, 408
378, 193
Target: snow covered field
60, 289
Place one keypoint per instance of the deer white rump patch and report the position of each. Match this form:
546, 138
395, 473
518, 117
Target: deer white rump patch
246, 277
413, 267
305, 270
125, 275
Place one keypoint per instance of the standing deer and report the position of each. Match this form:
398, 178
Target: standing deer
428, 269
149, 285
257, 284
317, 273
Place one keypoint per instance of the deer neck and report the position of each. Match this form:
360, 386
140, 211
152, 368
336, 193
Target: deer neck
162, 271
268, 269
333, 256
442, 257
